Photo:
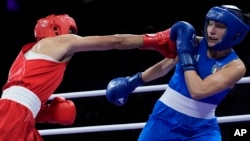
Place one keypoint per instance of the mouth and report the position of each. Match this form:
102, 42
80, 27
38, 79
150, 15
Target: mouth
212, 40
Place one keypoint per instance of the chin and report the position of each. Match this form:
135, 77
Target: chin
209, 44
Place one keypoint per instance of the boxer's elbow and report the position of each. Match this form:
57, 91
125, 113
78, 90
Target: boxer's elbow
198, 94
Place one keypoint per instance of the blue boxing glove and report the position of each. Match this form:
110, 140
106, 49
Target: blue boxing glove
185, 36
120, 88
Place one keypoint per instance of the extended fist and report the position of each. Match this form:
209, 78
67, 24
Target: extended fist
160, 42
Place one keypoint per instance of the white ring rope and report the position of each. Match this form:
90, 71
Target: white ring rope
137, 90
103, 92
244, 80
129, 126
98, 128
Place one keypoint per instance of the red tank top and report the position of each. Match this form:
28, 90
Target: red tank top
40, 76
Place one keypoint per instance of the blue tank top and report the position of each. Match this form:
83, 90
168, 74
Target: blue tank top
205, 66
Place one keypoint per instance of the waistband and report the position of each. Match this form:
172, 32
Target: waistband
185, 105
23, 96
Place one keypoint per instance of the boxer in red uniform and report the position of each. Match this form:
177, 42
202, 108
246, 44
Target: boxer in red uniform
39, 69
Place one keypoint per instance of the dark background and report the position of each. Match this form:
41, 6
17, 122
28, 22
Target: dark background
93, 70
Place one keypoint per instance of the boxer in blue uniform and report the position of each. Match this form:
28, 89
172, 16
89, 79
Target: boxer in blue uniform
206, 70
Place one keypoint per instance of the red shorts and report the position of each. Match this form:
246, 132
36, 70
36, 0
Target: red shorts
17, 122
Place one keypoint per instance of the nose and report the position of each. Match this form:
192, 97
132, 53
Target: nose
211, 29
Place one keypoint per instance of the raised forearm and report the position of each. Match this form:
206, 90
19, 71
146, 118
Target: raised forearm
158, 70
195, 84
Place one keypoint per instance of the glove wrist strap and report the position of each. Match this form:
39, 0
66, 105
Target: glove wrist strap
136, 80
149, 41
187, 61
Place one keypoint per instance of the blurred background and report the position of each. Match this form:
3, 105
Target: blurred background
93, 70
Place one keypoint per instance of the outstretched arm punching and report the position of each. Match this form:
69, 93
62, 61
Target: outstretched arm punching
63, 47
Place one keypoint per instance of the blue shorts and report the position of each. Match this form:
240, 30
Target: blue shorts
166, 124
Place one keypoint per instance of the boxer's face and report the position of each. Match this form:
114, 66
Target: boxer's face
216, 32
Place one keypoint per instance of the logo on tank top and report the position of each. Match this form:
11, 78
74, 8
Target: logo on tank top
217, 66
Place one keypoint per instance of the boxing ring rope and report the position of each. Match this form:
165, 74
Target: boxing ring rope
137, 90
128, 126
